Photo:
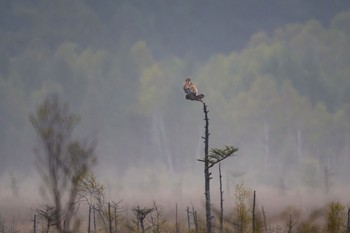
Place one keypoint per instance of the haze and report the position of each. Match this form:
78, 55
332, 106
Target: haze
275, 75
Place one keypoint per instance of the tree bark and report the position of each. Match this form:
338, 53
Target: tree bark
34, 226
206, 171
89, 230
176, 221
221, 202
188, 218
109, 217
254, 213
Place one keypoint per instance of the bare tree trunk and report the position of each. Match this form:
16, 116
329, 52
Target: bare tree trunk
48, 226
221, 202
176, 220
254, 213
109, 217
89, 219
2, 225
115, 219
206, 171
160, 137
266, 139
142, 227
188, 218
327, 176
195, 219
263, 211
348, 223
34, 223
290, 225
94, 218
141, 214
13, 227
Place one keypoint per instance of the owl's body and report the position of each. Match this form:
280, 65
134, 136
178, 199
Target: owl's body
191, 91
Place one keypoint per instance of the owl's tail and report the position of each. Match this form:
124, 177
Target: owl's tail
192, 96
199, 97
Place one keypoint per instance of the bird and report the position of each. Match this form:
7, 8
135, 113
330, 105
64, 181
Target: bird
191, 90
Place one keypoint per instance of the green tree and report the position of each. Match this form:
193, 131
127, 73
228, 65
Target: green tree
241, 216
336, 218
63, 162
306, 227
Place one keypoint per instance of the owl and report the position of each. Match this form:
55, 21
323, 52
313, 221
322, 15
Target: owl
191, 90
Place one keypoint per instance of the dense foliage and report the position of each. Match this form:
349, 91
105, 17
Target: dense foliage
283, 98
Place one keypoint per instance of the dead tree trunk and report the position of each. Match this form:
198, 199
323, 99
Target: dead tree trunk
89, 229
263, 212
348, 223
221, 202
141, 214
94, 213
188, 218
176, 220
206, 171
34, 223
115, 218
253, 221
290, 224
2, 225
215, 156
109, 217
195, 219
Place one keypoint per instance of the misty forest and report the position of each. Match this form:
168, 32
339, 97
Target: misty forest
97, 135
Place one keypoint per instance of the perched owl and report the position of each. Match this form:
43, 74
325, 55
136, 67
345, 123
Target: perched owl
191, 91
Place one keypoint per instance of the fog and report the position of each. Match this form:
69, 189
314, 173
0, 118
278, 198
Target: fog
275, 75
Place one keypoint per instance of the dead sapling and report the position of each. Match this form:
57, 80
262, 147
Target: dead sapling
141, 214
215, 156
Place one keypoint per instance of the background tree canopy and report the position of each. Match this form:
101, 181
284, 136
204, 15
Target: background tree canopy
276, 80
